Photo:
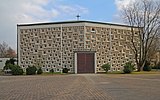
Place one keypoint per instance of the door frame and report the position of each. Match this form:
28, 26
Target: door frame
75, 60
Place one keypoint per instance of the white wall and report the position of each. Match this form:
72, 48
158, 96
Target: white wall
2, 62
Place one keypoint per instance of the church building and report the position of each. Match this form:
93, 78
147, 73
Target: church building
80, 46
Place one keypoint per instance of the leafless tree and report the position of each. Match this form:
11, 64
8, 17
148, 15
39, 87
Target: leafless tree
10, 53
6, 51
145, 16
153, 52
3, 49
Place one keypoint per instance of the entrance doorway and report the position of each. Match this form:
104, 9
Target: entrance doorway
85, 62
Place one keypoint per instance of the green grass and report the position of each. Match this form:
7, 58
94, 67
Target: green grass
115, 72
135, 72
147, 72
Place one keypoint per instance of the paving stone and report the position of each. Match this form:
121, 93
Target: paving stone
80, 87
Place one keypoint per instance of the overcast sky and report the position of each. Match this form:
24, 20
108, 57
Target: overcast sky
14, 12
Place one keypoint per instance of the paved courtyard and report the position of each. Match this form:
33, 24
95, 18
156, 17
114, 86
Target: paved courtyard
80, 87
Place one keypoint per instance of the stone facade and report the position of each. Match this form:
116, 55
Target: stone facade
53, 45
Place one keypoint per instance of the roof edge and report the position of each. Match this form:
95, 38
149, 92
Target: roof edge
79, 21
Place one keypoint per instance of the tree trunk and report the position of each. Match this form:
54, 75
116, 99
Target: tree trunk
140, 66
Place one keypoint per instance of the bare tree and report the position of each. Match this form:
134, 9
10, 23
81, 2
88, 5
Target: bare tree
145, 16
3, 49
10, 53
154, 49
6, 51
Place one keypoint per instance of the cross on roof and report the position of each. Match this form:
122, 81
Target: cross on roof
78, 16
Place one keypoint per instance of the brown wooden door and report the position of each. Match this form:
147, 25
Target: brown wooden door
85, 62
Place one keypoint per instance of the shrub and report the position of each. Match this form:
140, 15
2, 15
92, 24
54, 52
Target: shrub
39, 71
10, 61
31, 70
106, 67
128, 67
15, 69
156, 66
51, 71
7, 66
147, 66
65, 70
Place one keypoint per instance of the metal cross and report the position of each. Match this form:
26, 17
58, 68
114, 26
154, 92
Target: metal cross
78, 16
